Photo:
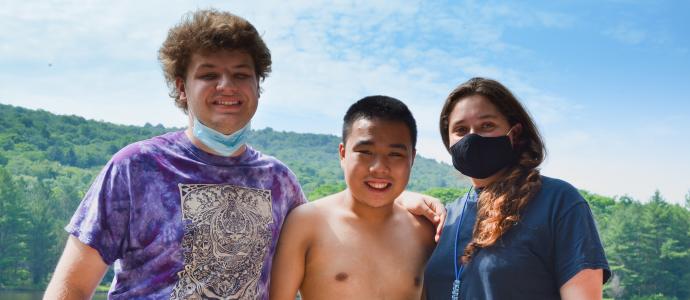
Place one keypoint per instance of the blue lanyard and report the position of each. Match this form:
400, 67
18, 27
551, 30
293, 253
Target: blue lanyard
455, 292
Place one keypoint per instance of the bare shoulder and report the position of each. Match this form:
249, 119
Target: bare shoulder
329, 205
330, 200
302, 215
312, 213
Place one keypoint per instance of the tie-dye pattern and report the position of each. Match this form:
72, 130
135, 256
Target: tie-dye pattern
132, 216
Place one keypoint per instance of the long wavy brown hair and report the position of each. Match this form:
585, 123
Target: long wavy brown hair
500, 202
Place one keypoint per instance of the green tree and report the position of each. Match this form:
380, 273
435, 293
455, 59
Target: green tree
42, 240
446, 194
13, 222
648, 249
628, 249
325, 190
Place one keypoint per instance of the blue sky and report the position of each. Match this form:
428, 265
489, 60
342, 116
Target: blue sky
608, 82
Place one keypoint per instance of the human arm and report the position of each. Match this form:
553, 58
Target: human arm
78, 272
586, 284
290, 257
426, 206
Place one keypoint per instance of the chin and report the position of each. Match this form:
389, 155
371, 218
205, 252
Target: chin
376, 200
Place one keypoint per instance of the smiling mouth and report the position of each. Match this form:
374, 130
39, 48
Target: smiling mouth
378, 185
228, 103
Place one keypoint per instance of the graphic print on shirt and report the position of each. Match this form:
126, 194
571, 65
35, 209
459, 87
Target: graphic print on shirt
227, 234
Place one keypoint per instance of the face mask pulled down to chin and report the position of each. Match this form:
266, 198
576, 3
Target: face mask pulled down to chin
220, 143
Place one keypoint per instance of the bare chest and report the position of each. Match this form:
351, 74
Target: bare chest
354, 263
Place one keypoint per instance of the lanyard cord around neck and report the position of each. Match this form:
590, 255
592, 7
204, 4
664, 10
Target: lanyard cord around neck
461, 268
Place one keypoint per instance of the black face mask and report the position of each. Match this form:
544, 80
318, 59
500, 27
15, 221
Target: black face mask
480, 157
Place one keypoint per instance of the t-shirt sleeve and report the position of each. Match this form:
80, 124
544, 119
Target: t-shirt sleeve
577, 243
296, 190
101, 219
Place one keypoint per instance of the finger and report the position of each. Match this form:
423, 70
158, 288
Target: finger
431, 215
435, 205
440, 211
439, 227
432, 205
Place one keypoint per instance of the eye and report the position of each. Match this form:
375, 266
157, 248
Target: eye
460, 130
242, 76
396, 154
488, 126
364, 152
208, 76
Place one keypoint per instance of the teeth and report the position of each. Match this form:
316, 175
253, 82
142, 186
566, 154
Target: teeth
378, 185
228, 102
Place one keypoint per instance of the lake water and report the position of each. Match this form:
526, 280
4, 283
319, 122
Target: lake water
38, 295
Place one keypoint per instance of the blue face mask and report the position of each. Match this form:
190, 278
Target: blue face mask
220, 143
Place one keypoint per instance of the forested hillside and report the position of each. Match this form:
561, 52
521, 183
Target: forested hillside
47, 162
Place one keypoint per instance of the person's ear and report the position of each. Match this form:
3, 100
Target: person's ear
179, 84
341, 153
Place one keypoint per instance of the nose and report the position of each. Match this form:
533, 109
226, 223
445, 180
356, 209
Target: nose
379, 165
225, 83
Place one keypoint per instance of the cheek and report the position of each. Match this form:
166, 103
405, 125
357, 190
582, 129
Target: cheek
349, 166
351, 174
199, 91
251, 88
402, 168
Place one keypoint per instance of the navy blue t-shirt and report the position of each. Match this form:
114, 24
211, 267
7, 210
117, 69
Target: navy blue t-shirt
555, 239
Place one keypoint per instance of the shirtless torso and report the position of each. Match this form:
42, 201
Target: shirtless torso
349, 256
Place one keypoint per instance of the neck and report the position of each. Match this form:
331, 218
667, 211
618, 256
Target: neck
365, 212
196, 142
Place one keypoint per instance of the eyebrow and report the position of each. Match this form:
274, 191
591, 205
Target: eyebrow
399, 146
371, 143
481, 117
240, 66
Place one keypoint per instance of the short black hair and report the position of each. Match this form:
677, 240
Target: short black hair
382, 108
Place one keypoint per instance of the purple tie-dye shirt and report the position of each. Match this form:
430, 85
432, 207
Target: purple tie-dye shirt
180, 223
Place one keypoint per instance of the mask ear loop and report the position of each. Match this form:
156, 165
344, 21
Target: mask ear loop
511, 130
518, 128
192, 115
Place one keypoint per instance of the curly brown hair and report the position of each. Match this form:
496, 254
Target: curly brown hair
208, 31
501, 201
